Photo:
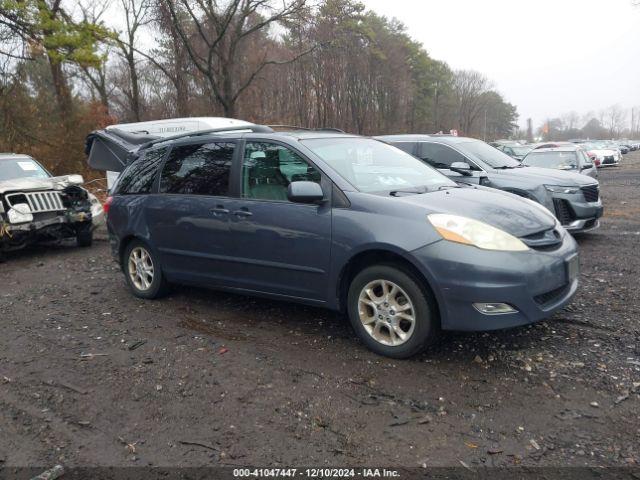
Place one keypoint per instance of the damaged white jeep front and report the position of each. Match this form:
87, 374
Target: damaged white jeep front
36, 207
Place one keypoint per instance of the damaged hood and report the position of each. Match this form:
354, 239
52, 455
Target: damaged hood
35, 184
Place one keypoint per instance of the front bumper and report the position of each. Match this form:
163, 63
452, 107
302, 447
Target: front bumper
535, 283
574, 212
56, 226
609, 160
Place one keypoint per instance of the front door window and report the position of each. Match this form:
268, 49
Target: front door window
268, 169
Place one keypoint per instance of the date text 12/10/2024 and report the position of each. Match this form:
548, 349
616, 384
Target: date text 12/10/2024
315, 473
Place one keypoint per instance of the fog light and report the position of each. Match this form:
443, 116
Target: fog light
494, 308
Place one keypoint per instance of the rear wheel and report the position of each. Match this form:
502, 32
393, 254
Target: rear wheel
391, 312
143, 272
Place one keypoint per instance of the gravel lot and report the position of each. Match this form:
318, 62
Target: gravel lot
90, 375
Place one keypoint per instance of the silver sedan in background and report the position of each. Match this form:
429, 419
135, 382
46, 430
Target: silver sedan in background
570, 158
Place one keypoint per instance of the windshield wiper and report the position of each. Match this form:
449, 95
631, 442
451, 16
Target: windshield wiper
414, 191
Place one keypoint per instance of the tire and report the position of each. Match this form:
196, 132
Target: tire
143, 272
84, 236
395, 336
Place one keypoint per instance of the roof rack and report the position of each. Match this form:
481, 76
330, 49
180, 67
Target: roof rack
239, 128
308, 129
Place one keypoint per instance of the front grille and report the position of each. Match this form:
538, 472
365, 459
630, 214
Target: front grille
591, 193
37, 201
608, 160
564, 212
551, 295
546, 240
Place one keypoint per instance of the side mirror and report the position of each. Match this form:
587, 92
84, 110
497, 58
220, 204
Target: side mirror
304, 192
462, 168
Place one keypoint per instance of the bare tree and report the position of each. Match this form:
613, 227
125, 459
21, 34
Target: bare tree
95, 75
216, 39
635, 122
468, 88
615, 118
137, 15
570, 120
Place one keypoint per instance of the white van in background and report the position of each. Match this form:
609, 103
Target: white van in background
171, 127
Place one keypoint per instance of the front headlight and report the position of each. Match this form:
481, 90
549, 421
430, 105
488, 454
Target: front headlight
561, 189
473, 232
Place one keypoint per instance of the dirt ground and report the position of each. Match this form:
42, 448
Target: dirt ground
90, 375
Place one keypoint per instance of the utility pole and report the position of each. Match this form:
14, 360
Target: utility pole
436, 119
484, 135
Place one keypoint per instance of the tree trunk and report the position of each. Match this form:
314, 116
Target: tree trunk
135, 86
229, 109
61, 89
182, 95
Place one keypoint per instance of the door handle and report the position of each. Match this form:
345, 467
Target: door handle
219, 210
242, 213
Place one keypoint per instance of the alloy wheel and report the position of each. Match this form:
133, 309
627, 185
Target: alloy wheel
386, 312
141, 268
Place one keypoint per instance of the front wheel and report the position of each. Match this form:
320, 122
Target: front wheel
142, 271
391, 312
84, 236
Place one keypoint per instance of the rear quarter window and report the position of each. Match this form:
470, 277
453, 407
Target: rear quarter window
198, 169
139, 177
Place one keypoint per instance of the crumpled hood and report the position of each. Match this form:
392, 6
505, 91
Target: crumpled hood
503, 210
35, 184
547, 176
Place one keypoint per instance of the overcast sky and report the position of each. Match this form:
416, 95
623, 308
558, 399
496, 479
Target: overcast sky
547, 57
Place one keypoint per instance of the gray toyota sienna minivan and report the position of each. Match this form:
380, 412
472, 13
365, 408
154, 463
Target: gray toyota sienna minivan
333, 220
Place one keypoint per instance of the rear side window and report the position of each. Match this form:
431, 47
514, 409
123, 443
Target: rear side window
201, 169
439, 156
139, 177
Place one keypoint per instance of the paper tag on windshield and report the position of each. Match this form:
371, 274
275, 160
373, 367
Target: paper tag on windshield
28, 166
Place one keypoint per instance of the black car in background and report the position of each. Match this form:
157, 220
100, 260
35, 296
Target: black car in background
573, 198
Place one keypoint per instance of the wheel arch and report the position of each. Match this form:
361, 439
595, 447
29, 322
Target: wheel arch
124, 243
372, 256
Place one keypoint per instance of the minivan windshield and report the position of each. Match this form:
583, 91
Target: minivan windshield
485, 153
24, 167
373, 166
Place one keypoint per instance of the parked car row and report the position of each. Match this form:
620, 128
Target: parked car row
407, 234
601, 152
